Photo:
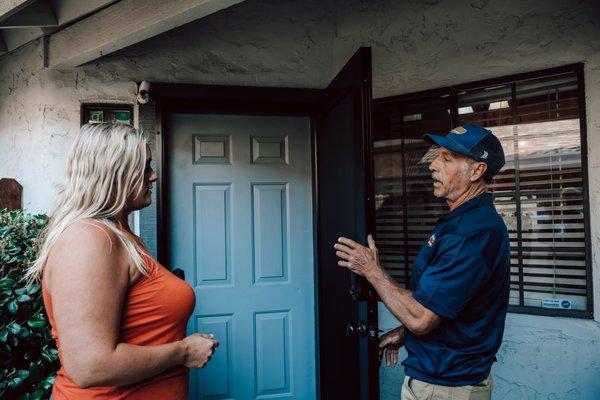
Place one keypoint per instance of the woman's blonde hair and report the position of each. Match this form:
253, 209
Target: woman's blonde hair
105, 166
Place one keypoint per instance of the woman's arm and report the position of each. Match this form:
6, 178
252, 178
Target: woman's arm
88, 275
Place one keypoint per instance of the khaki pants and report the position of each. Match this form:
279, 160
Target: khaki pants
414, 389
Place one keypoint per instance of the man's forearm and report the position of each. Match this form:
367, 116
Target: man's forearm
399, 301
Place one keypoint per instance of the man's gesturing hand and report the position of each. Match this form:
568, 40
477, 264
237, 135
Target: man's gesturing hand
356, 257
390, 343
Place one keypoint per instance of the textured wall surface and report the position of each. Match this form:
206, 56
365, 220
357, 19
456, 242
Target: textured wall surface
545, 358
148, 216
417, 45
256, 43
40, 116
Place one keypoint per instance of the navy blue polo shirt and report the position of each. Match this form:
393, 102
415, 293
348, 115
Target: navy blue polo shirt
462, 273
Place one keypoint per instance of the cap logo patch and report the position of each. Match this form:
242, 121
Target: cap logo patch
459, 130
485, 155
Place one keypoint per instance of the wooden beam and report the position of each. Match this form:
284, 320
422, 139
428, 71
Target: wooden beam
10, 7
38, 14
123, 24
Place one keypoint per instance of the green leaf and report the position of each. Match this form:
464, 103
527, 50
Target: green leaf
20, 291
6, 283
36, 322
14, 328
49, 381
47, 357
22, 373
13, 306
24, 332
33, 288
15, 382
23, 298
37, 395
3, 336
24, 396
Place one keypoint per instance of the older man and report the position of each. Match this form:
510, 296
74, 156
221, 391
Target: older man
454, 311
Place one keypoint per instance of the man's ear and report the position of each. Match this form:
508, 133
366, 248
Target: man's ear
478, 171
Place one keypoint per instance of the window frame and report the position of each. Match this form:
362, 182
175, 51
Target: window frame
87, 107
395, 103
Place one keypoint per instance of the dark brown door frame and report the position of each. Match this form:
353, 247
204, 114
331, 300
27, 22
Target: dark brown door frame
214, 99
247, 100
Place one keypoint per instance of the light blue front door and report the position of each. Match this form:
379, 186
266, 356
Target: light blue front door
240, 208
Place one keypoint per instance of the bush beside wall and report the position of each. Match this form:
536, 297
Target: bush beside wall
27, 350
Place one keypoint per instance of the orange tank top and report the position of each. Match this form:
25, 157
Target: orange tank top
156, 311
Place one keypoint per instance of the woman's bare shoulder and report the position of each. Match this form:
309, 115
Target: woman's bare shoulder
89, 246
93, 234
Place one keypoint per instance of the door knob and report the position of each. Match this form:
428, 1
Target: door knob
359, 328
363, 330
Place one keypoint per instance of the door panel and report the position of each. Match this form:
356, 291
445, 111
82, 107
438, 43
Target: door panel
347, 304
241, 228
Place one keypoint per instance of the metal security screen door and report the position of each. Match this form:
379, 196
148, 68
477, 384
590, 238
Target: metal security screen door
347, 305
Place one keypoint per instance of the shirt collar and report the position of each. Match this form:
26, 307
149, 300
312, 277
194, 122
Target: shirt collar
484, 199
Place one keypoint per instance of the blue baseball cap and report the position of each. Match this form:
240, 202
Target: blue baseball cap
475, 142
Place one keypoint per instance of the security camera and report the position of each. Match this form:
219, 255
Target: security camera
143, 95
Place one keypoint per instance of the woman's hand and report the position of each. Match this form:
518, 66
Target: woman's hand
390, 343
199, 348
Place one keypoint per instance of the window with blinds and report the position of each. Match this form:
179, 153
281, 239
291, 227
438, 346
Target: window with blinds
541, 192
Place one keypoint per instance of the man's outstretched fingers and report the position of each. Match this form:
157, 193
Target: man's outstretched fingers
349, 242
343, 255
341, 247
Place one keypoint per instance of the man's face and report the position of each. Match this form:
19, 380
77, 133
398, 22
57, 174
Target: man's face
450, 173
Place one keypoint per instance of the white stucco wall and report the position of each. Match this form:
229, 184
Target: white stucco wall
417, 45
541, 358
40, 116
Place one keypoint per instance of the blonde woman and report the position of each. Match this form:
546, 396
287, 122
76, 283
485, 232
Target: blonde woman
118, 316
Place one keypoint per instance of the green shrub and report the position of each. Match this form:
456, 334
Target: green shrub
27, 350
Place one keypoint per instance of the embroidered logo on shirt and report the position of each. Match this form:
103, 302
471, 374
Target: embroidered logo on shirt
431, 240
